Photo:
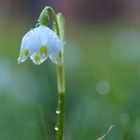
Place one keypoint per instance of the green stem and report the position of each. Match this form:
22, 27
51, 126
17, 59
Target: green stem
58, 27
61, 97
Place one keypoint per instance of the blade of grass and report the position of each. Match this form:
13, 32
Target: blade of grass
102, 137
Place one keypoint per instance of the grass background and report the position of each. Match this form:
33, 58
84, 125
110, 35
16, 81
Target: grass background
102, 66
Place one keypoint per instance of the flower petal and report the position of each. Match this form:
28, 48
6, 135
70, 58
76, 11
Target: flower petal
39, 43
23, 56
37, 59
57, 58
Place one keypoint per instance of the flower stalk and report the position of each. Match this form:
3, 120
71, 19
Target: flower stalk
43, 42
60, 83
59, 28
61, 98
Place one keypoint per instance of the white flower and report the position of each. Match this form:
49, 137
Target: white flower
40, 43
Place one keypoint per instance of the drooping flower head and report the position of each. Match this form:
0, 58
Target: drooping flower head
39, 44
43, 42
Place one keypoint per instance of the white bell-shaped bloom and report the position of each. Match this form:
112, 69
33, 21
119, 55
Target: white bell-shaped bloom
40, 43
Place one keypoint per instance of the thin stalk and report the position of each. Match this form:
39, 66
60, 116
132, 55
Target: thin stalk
58, 27
61, 98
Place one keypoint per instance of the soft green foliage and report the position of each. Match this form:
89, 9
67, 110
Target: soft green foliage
89, 59
61, 25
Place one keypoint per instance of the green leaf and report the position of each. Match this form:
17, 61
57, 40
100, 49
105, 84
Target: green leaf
61, 26
44, 16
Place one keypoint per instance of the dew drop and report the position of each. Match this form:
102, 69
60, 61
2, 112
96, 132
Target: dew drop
56, 128
57, 112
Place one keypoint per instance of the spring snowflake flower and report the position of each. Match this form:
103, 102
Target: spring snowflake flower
39, 44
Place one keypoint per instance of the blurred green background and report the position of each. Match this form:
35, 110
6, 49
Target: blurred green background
102, 63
